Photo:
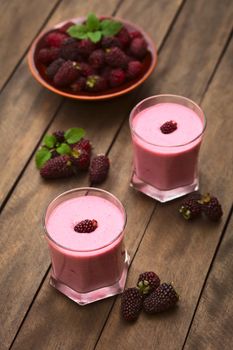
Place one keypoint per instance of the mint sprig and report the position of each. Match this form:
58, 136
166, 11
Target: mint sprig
74, 135
63, 149
50, 145
49, 141
94, 29
42, 156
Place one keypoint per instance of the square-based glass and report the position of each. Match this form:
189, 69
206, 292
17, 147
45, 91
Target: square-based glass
166, 171
87, 274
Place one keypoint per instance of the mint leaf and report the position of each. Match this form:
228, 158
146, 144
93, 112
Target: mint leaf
78, 31
110, 28
42, 156
94, 36
49, 141
63, 149
74, 135
92, 23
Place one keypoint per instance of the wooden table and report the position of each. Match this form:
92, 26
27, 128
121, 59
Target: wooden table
195, 59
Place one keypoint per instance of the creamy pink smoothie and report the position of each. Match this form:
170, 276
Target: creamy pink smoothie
86, 261
166, 161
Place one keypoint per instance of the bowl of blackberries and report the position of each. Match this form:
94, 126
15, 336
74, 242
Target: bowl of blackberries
92, 58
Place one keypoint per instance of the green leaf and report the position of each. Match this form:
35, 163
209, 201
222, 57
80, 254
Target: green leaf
94, 36
49, 141
110, 28
74, 135
93, 22
78, 31
42, 156
63, 149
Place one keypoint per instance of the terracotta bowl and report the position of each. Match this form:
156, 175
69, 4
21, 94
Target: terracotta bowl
111, 92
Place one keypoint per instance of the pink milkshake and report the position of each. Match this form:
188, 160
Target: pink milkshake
166, 132
88, 264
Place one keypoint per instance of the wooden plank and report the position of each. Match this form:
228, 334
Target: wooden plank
182, 251
18, 26
212, 325
28, 107
27, 192
76, 320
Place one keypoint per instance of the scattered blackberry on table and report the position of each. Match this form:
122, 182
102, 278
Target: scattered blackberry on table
190, 207
168, 127
163, 298
46, 56
99, 169
131, 304
116, 77
96, 83
134, 69
55, 39
54, 153
86, 226
59, 135
53, 67
85, 145
115, 57
80, 158
138, 47
57, 167
148, 282
97, 59
211, 207
66, 74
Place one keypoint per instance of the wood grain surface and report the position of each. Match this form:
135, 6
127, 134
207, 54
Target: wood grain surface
71, 115
195, 59
18, 27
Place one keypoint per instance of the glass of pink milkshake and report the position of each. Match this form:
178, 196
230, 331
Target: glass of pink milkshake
167, 131
85, 228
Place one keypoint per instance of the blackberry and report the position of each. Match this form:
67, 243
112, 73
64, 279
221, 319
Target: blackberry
80, 158
53, 67
86, 226
116, 77
96, 83
57, 167
96, 59
115, 57
131, 304
99, 169
190, 207
163, 298
148, 282
110, 41
134, 69
46, 56
59, 136
168, 127
70, 50
66, 74
211, 207
138, 47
